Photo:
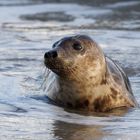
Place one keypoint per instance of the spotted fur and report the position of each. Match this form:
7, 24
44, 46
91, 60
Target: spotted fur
87, 79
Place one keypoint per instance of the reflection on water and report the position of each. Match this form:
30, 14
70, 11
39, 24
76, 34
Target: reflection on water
28, 28
79, 132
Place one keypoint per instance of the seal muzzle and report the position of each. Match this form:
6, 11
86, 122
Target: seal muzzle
50, 54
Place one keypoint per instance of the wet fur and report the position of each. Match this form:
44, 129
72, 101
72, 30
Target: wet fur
94, 83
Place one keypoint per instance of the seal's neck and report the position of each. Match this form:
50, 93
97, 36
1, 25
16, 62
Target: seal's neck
89, 77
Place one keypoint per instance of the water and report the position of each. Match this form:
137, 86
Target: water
28, 28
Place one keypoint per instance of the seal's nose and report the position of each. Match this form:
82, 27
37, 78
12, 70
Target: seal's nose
50, 54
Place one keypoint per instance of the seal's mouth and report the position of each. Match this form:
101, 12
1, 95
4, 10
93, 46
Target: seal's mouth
53, 62
58, 66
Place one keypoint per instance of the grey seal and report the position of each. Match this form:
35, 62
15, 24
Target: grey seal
84, 78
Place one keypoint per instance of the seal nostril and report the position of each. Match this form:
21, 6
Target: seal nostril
50, 54
47, 55
54, 54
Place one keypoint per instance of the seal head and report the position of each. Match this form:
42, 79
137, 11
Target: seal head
76, 58
86, 78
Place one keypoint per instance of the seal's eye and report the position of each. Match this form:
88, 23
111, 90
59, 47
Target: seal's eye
77, 46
